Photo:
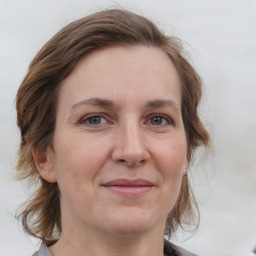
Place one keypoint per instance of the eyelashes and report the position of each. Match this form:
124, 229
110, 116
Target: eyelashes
94, 120
98, 120
160, 120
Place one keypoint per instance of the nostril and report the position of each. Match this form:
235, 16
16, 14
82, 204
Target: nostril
132, 163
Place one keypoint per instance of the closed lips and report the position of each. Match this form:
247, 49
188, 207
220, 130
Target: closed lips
129, 188
129, 183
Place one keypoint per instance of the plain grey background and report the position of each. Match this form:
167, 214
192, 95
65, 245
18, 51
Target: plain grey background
220, 36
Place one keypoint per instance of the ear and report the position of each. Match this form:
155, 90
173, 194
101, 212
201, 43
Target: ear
44, 164
186, 165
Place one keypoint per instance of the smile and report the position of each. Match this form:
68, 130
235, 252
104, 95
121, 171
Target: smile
129, 188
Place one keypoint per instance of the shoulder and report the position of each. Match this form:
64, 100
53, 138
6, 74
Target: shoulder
169, 250
183, 251
43, 251
172, 249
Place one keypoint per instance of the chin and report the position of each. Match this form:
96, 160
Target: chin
134, 223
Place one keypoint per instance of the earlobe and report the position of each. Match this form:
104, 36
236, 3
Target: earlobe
187, 164
186, 167
44, 164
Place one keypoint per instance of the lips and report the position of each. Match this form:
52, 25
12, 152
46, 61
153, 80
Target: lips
129, 188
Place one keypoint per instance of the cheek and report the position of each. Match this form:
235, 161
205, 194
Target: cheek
172, 170
76, 170
172, 163
172, 156
78, 152
77, 164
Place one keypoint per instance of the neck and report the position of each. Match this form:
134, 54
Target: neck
147, 244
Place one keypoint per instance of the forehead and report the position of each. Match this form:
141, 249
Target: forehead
123, 73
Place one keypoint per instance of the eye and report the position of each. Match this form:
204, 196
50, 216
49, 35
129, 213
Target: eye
156, 120
94, 120
160, 120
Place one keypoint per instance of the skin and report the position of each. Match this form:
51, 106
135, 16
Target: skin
136, 132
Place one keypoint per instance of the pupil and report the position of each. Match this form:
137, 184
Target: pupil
94, 120
156, 120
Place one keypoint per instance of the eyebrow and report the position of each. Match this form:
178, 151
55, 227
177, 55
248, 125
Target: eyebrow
110, 104
95, 102
162, 103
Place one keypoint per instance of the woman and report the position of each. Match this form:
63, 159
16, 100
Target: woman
109, 123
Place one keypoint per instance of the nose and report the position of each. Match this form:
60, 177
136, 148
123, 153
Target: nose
130, 146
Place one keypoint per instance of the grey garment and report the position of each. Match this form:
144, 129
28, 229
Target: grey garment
44, 251
183, 251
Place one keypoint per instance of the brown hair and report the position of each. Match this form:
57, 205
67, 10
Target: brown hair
37, 97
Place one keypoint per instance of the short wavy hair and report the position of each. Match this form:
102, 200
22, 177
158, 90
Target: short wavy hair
37, 98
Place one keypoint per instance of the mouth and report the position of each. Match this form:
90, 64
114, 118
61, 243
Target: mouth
129, 188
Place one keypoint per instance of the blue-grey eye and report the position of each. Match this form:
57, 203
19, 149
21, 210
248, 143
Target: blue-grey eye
94, 120
156, 120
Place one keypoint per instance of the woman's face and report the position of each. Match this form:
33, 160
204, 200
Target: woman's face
119, 146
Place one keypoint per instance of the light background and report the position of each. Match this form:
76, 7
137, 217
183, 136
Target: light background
220, 36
